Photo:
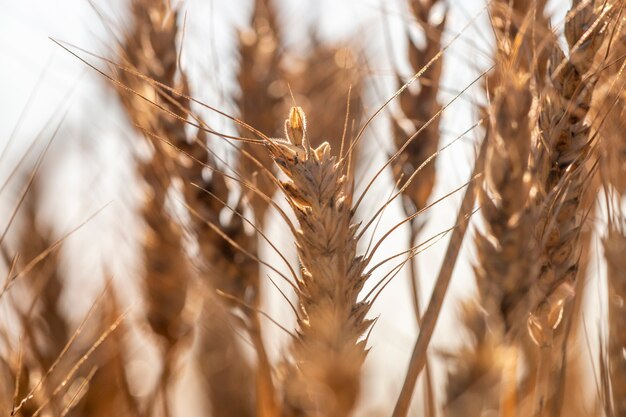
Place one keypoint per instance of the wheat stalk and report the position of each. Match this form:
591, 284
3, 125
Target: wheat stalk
505, 271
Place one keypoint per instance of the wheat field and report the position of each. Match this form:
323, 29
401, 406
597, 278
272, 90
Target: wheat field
326, 209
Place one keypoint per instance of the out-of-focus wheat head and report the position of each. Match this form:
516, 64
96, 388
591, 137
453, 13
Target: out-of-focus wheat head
419, 107
260, 77
505, 269
150, 48
474, 384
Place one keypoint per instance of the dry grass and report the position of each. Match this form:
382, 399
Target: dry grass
550, 167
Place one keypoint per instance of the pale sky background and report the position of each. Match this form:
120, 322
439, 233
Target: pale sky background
92, 166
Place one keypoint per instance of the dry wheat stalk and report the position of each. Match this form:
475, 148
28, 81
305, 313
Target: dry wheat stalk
614, 250
433, 309
323, 377
505, 271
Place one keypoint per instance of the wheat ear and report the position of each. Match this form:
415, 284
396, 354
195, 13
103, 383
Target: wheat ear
150, 47
505, 269
323, 376
563, 148
259, 77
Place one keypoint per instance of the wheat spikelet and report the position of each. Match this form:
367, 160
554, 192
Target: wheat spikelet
323, 378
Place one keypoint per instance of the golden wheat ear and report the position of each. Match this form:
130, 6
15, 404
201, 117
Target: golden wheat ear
325, 360
563, 174
505, 270
261, 52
